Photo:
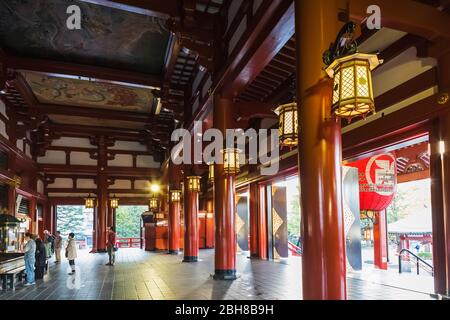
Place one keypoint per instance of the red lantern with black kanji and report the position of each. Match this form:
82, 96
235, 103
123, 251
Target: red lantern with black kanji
377, 181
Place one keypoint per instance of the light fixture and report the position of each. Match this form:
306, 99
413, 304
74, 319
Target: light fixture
441, 147
352, 74
153, 204
175, 195
89, 202
114, 202
211, 173
194, 183
288, 124
231, 160
154, 188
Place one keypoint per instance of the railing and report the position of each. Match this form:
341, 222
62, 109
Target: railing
296, 251
418, 261
128, 242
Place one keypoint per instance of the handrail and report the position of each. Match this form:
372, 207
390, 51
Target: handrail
418, 259
296, 251
128, 242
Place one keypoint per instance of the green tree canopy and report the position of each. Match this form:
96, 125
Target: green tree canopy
70, 219
128, 221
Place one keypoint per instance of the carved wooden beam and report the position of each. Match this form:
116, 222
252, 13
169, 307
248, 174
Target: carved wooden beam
88, 71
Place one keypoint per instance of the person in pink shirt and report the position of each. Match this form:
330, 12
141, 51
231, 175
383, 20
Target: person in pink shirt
111, 246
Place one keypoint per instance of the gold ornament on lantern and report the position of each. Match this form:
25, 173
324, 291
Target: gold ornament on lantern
89, 202
193, 183
288, 124
231, 160
114, 202
352, 74
175, 195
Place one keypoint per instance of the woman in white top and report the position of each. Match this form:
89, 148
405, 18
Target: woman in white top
71, 251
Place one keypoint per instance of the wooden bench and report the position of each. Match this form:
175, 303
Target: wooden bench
8, 277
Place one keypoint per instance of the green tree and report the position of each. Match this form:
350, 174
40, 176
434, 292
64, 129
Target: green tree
70, 219
294, 213
396, 210
128, 221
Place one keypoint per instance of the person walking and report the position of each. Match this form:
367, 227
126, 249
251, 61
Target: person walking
49, 240
58, 247
41, 259
111, 246
71, 252
30, 258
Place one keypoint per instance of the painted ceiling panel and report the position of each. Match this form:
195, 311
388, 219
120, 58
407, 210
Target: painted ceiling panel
84, 93
108, 37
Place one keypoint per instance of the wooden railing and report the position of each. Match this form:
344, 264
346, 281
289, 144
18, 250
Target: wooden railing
128, 242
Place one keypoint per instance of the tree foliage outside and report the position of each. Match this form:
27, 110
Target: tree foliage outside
70, 219
128, 221
294, 213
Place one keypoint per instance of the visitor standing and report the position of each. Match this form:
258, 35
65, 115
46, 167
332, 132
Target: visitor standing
71, 252
58, 247
41, 259
111, 246
30, 258
49, 240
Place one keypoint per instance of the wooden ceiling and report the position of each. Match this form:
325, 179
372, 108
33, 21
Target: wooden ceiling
128, 68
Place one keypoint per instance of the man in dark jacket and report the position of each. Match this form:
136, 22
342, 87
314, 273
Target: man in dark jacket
41, 259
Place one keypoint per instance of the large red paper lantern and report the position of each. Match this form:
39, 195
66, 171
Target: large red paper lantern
377, 181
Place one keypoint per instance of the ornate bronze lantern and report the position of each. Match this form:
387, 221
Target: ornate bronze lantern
231, 160
352, 74
194, 183
288, 124
89, 202
114, 202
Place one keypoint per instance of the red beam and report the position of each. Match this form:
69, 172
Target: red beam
79, 70
145, 173
267, 37
389, 128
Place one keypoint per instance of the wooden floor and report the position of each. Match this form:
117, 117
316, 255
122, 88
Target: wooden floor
143, 275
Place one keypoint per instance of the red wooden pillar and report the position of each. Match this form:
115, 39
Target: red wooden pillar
190, 224
440, 187
174, 227
224, 201
174, 210
253, 209
102, 195
48, 218
262, 224
320, 156
102, 211
380, 241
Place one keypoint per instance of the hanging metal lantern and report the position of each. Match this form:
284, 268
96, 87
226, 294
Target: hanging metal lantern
175, 195
153, 204
288, 124
114, 202
211, 173
194, 183
89, 202
352, 74
231, 160
352, 88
